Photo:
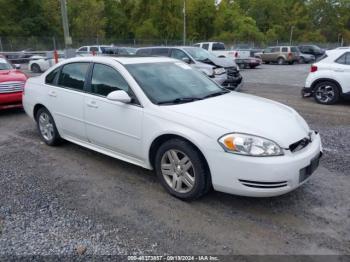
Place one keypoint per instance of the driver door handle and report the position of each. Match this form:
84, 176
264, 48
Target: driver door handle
92, 104
52, 94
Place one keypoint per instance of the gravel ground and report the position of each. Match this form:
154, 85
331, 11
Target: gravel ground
68, 200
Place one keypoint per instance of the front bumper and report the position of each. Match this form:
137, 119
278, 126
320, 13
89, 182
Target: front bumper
232, 82
230, 172
11, 100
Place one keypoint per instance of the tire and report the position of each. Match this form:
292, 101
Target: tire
35, 68
47, 127
280, 61
326, 93
183, 178
302, 60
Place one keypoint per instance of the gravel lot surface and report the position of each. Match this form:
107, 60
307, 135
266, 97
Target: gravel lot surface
68, 199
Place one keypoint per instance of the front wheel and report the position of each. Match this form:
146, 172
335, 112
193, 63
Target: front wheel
182, 170
47, 127
280, 61
326, 93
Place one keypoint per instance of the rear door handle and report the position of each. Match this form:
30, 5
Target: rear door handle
92, 104
52, 94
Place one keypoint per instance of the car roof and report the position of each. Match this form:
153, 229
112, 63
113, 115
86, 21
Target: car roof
122, 60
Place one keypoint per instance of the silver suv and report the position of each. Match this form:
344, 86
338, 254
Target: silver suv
223, 70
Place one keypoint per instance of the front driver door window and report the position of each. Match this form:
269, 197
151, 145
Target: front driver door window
179, 54
114, 126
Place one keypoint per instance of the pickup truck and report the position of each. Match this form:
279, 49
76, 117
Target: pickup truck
217, 48
243, 58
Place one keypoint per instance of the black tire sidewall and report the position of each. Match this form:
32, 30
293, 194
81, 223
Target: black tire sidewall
201, 172
336, 93
56, 139
36, 68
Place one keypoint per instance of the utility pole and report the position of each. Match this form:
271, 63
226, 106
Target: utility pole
67, 38
184, 13
291, 35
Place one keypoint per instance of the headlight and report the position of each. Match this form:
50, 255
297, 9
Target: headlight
219, 71
249, 145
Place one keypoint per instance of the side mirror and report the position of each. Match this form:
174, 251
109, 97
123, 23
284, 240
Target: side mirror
17, 66
186, 60
263, 51
119, 96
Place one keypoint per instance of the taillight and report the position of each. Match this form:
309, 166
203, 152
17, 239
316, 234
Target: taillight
313, 68
290, 55
236, 54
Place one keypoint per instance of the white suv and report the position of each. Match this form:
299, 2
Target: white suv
329, 79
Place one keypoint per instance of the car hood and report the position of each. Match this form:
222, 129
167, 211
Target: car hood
220, 62
236, 112
12, 75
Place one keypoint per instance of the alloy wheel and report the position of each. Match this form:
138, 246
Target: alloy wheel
178, 171
325, 93
46, 126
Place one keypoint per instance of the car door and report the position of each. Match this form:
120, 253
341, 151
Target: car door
66, 99
266, 55
341, 69
112, 125
83, 51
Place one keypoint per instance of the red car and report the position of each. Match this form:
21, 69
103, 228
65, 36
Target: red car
11, 85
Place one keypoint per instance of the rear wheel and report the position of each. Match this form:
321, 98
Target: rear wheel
280, 61
47, 127
182, 169
35, 68
326, 93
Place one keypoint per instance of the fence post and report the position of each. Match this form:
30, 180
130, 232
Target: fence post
1, 49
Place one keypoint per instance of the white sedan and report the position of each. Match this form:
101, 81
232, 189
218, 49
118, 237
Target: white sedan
159, 113
39, 64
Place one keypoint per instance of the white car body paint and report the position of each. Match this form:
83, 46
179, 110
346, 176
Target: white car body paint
126, 131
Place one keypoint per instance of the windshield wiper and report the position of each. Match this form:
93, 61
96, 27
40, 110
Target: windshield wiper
179, 100
219, 93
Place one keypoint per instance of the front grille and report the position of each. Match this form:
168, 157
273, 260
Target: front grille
232, 71
11, 87
299, 145
263, 185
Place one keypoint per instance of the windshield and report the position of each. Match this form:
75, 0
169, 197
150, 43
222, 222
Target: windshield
165, 82
200, 54
4, 65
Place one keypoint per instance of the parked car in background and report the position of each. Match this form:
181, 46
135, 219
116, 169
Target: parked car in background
120, 51
11, 85
329, 78
39, 64
217, 48
90, 50
245, 58
280, 55
160, 113
312, 50
224, 71
306, 58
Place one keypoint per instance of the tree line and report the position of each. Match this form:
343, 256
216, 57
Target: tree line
259, 21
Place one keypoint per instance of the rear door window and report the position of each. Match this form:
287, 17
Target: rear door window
144, 52
160, 51
344, 59
284, 49
218, 46
205, 46
275, 50
73, 75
